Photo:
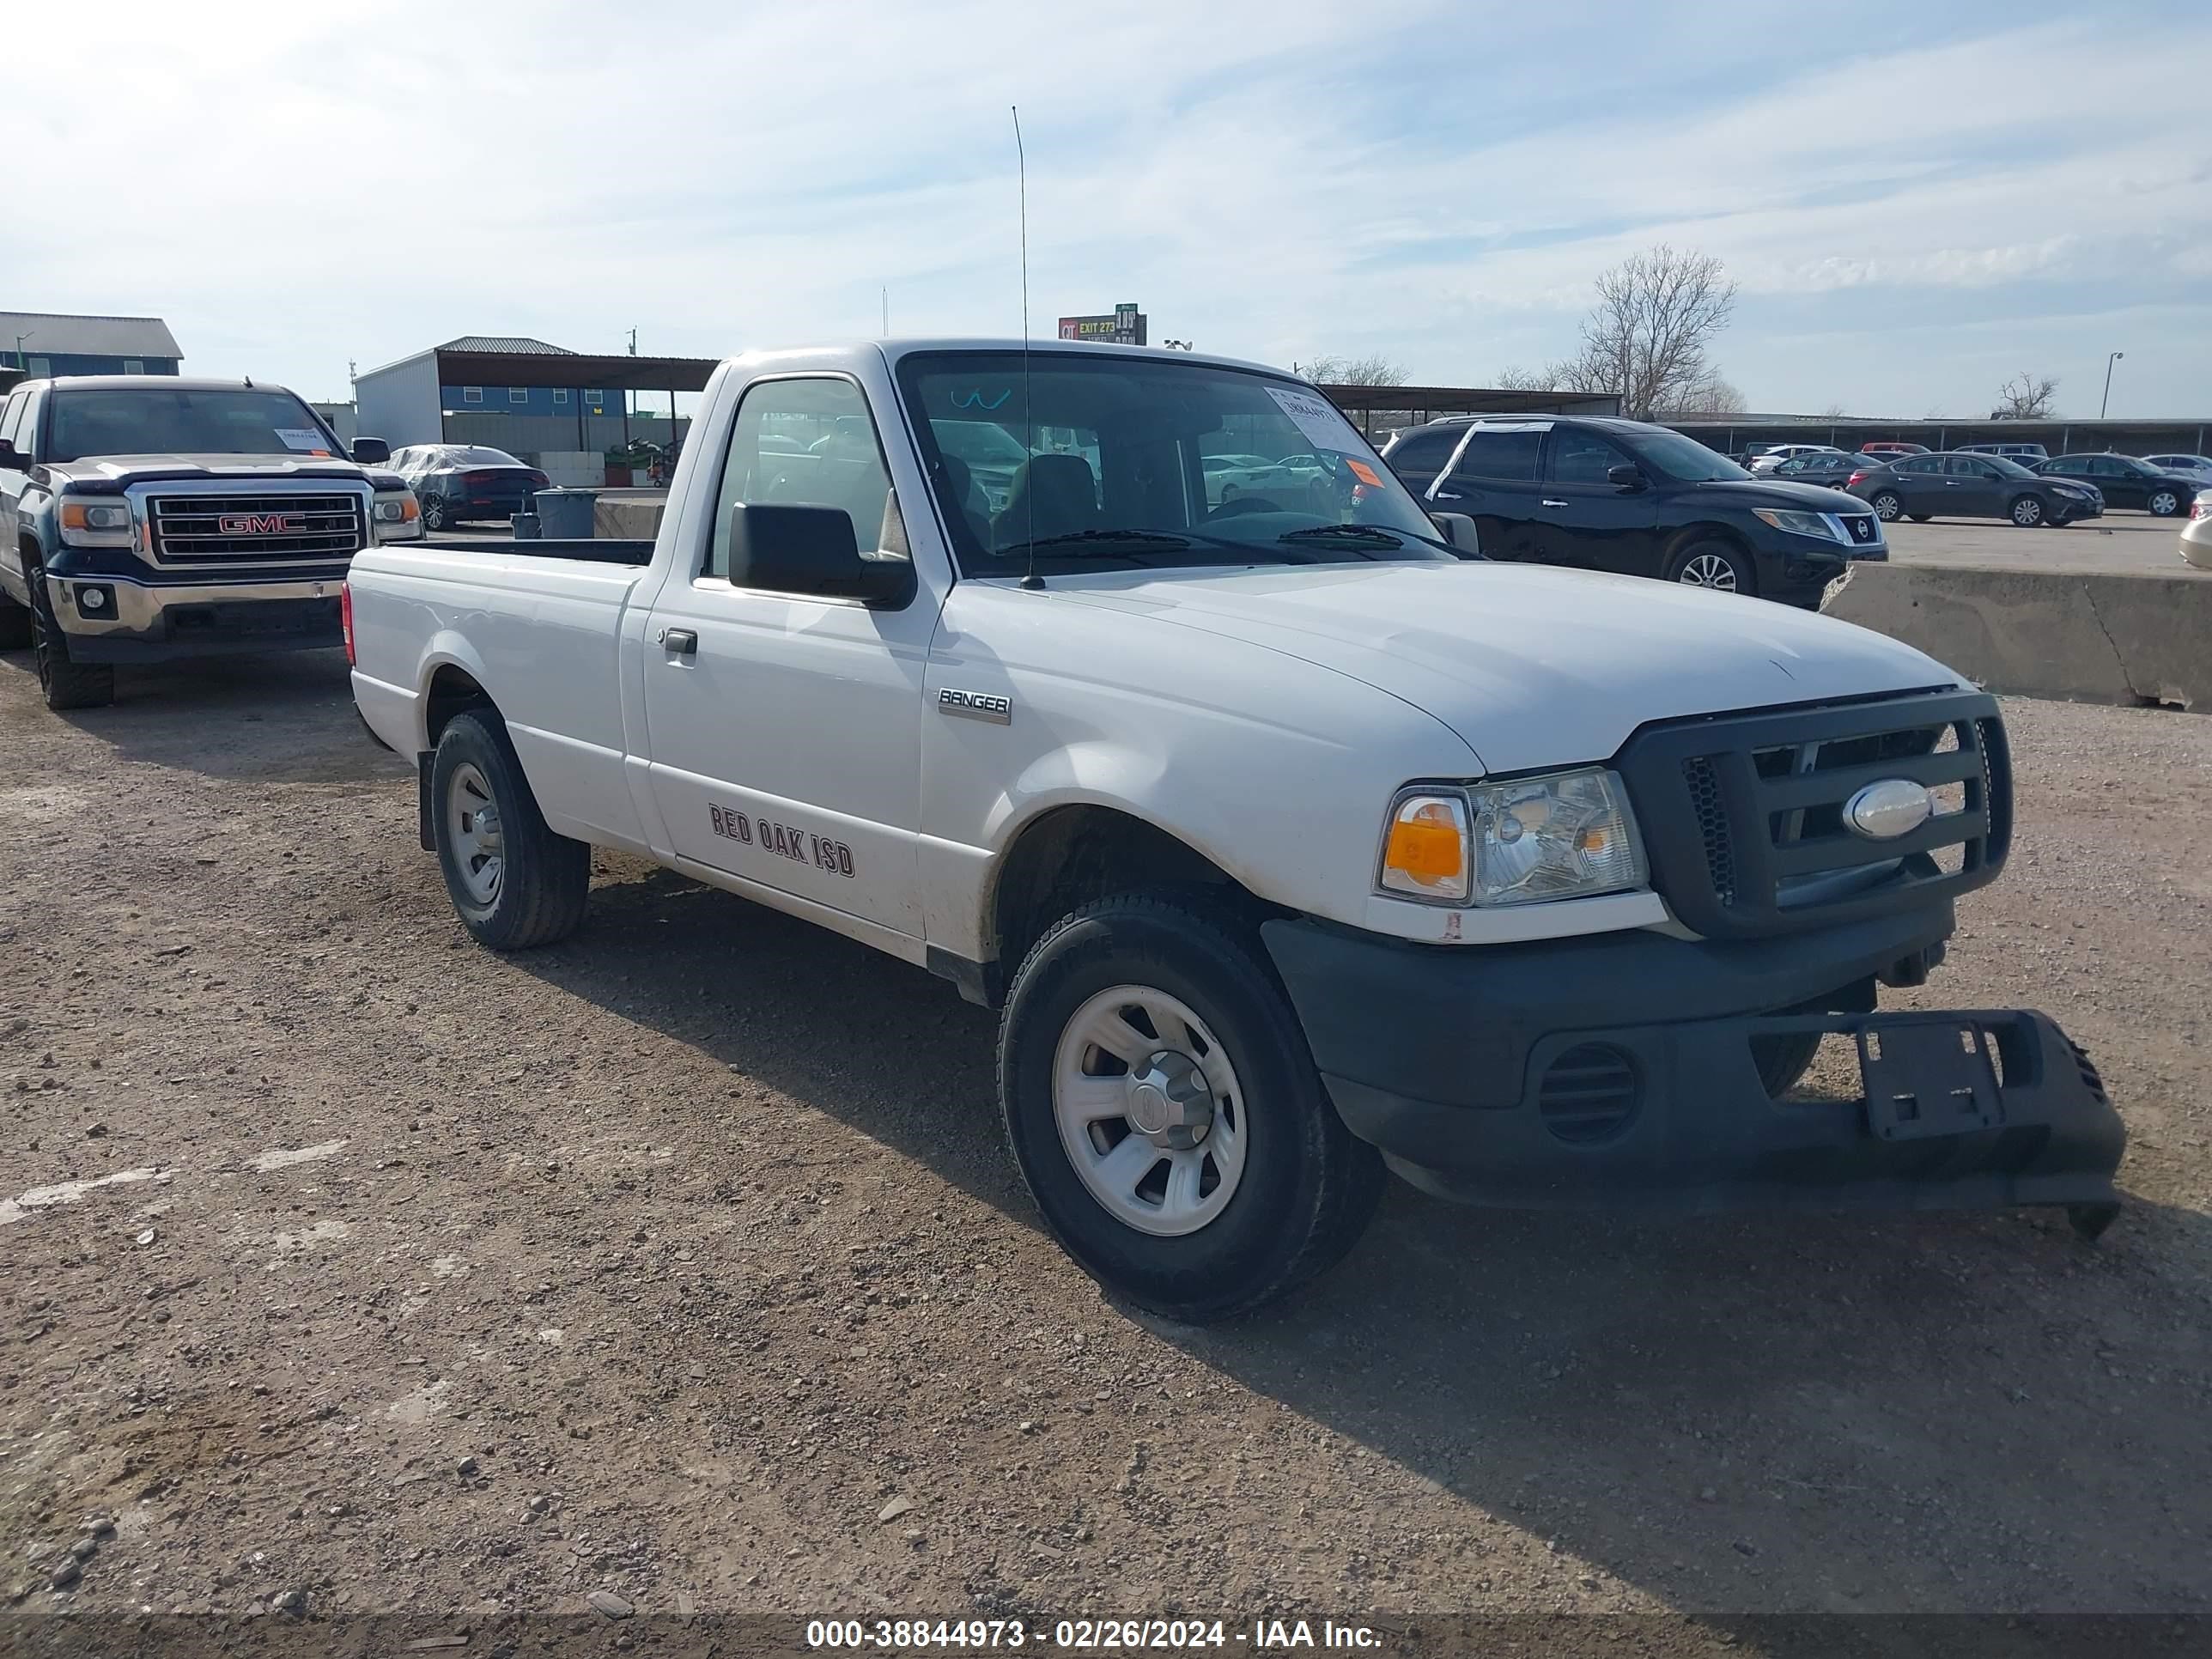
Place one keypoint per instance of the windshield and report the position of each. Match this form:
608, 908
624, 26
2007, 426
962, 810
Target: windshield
177, 421
1140, 462
1684, 458
476, 455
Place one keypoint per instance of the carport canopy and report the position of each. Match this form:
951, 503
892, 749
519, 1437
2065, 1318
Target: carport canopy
581, 370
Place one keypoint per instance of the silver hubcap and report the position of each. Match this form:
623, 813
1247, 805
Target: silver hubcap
472, 820
2163, 505
1710, 570
2026, 510
1150, 1111
1887, 507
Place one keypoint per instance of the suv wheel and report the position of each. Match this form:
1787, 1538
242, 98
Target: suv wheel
1166, 1113
64, 685
1887, 506
2027, 512
1716, 565
2164, 504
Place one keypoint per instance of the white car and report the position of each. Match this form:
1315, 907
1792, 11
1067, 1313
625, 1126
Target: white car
1293, 845
2196, 534
2199, 465
1767, 457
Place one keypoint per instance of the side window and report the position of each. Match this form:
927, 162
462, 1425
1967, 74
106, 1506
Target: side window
472, 394
1425, 451
2100, 466
1505, 457
1582, 458
1921, 465
560, 394
808, 442
11, 412
518, 394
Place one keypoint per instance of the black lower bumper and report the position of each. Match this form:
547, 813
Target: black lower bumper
1619, 1072
184, 631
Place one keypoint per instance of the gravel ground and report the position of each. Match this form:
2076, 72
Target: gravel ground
684, 1262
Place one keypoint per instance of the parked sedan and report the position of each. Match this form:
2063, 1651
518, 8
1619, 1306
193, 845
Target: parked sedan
2197, 466
2196, 534
2124, 480
1765, 458
1958, 484
1891, 447
1828, 469
457, 482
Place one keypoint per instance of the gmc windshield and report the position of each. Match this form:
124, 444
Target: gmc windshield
1110, 465
181, 420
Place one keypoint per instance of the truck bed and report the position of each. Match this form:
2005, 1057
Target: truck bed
609, 550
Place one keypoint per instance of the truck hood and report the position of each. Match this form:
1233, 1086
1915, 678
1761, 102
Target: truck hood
170, 469
1532, 666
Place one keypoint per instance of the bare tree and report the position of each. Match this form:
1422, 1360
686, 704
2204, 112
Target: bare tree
1710, 394
1517, 379
1646, 336
1355, 371
1835, 412
2024, 398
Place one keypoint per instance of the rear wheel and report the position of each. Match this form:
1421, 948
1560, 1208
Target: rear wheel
1715, 565
64, 683
1887, 505
436, 515
515, 882
2027, 512
1782, 1060
1167, 1115
2164, 504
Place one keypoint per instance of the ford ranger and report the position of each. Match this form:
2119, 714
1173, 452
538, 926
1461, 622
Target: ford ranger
145, 519
1293, 844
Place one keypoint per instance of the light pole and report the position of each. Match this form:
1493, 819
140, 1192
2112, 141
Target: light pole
2107, 400
21, 362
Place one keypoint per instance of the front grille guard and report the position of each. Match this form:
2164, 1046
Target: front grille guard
1741, 813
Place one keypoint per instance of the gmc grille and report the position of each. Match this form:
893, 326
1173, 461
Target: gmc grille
1743, 814
228, 529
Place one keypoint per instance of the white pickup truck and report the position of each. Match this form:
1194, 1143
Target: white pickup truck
1294, 840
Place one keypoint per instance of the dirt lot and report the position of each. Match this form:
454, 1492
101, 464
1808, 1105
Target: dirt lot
672, 1261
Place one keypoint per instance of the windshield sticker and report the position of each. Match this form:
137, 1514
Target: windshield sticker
294, 437
1318, 419
1364, 472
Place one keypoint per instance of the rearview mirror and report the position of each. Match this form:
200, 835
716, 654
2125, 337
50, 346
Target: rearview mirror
1460, 531
810, 549
1625, 478
10, 461
371, 451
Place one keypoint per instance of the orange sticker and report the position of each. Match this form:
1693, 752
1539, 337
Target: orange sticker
1364, 472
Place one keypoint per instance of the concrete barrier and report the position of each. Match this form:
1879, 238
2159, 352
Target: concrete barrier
628, 518
2084, 638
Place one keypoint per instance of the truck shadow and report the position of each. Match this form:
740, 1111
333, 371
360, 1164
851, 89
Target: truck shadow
288, 714
1785, 1413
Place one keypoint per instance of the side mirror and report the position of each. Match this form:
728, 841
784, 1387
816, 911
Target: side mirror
10, 460
810, 549
1459, 529
371, 451
1625, 478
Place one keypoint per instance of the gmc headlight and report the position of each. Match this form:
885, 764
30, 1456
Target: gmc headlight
398, 518
1797, 524
1567, 836
95, 523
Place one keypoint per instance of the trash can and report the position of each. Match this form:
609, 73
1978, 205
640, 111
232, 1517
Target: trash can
565, 515
525, 526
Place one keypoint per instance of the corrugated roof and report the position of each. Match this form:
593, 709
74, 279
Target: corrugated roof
520, 345
53, 333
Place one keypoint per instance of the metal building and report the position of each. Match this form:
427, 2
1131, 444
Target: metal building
36, 343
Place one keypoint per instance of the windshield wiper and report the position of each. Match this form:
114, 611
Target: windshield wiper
1363, 535
1082, 538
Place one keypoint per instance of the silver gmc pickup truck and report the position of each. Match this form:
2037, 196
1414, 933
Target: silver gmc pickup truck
145, 519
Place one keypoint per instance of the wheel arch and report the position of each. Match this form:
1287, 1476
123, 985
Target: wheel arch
453, 678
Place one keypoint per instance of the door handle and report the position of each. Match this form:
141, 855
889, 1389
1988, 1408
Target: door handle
1950, 483
680, 641
1552, 503
1448, 496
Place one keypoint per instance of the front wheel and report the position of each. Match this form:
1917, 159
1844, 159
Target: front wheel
1887, 505
1715, 565
435, 514
2027, 512
1167, 1115
2164, 504
515, 882
63, 682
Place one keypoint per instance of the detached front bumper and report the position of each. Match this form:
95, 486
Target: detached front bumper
1618, 1073
112, 618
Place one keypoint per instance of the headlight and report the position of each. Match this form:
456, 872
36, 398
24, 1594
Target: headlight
1798, 524
95, 524
397, 517
1567, 836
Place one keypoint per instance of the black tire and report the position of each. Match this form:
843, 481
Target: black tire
63, 684
15, 625
1920, 518
2090, 1220
2164, 504
435, 516
1309, 1186
1783, 1059
544, 878
2029, 513
1710, 556
1887, 504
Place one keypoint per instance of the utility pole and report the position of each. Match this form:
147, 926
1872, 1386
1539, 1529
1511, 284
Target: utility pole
633, 343
2107, 403
21, 362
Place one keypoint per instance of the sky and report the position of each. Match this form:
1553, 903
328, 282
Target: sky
1917, 201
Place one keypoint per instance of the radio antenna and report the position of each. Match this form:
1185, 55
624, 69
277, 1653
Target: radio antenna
1029, 423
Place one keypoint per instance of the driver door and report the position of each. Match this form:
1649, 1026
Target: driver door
1586, 520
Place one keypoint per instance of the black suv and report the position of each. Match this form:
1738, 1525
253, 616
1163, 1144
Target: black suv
1634, 499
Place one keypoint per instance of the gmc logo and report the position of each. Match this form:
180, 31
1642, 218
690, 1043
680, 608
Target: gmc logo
261, 523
